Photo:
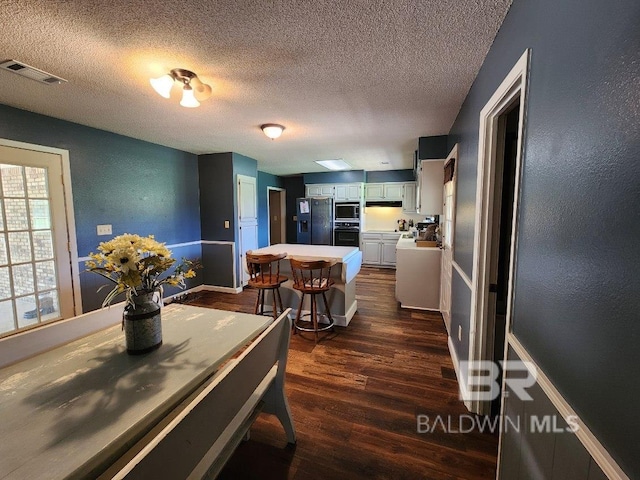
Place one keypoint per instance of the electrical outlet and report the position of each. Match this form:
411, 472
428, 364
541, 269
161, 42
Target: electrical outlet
459, 333
226, 224
295, 218
104, 230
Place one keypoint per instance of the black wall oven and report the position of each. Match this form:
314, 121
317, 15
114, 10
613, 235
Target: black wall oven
346, 234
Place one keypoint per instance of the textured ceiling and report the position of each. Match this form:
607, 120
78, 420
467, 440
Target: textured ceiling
354, 79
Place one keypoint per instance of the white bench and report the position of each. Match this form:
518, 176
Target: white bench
204, 432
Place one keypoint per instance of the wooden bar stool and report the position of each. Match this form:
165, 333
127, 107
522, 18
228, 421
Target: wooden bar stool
264, 273
312, 277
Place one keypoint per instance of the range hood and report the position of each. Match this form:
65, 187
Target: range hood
383, 203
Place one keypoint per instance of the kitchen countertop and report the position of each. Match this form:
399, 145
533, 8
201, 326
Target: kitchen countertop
340, 254
382, 231
410, 244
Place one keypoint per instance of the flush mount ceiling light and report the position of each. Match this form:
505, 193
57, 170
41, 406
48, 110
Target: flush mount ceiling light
337, 164
192, 88
272, 130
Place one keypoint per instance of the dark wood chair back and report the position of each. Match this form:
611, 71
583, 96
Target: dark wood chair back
264, 269
312, 276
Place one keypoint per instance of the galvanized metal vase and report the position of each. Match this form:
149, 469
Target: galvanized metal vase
141, 324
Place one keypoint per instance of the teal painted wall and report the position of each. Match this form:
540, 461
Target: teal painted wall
136, 186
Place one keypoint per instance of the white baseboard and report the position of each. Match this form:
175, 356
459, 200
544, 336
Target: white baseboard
424, 309
462, 386
216, 288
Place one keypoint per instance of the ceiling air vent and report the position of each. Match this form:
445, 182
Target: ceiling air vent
31, 72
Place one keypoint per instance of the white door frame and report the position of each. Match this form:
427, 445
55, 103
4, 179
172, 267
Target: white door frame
282, 213
481, 331
70, 217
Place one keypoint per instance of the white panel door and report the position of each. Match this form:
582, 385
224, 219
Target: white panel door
247, 223
247, 199
35, 266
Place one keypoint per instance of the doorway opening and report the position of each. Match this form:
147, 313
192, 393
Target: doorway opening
277, 213
500, 256
495, 242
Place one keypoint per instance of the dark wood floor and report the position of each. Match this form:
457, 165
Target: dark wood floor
356, 395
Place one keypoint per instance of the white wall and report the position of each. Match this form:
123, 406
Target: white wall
385, 218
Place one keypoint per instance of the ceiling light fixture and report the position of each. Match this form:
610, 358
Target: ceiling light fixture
337, 164
272, 130
192, 90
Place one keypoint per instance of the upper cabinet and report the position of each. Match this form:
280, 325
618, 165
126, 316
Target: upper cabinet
390, 192
348, 192
410, 198
430, 186
320, 190
340, 192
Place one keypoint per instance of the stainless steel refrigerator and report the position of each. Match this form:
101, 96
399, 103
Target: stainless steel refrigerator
315, 220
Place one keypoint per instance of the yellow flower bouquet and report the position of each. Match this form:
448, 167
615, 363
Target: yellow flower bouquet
134, 264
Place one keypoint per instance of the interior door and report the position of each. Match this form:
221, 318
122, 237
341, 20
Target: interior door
247, 222
447, 229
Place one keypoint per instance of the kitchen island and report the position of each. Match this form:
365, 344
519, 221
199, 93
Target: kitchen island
341, 297
417, 275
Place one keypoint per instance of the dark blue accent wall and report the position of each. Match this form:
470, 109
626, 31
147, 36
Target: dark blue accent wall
576, 292
432, 147
265, 180
390, 176
136, 186
217, 189
349, 176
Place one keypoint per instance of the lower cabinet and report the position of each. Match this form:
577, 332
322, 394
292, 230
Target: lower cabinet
379, 248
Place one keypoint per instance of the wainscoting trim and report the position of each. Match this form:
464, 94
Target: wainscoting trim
586, 437
463, 275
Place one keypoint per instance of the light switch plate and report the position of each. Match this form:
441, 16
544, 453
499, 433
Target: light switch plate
226, 224
104, 230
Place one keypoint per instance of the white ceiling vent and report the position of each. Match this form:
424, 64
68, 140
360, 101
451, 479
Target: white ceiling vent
31, 72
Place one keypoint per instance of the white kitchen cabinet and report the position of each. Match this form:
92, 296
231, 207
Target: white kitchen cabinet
320, 190
374, 191
371, 251
348, 192
379, 248
409, 200
388, 252
390, 191
430, 185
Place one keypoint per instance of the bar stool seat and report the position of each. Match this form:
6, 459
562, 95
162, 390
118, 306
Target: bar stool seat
264, 275
312, 277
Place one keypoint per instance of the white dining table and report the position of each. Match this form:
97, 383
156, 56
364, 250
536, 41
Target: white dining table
72, 411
